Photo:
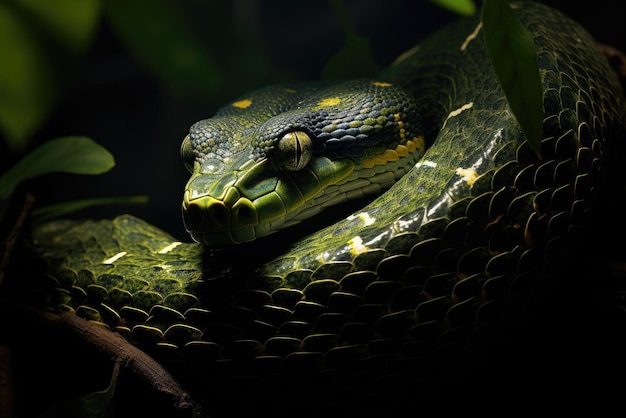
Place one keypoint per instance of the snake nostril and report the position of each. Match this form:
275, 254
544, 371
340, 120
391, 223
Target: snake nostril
244, 213
206, 214
218, 216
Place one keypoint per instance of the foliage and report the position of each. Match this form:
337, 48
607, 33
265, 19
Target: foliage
166, 44
462, 7
514, 59
47, 41
355, 49
93, 405
66, 207
77, 155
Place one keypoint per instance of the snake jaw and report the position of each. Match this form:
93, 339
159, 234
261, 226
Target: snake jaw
216, 222
256, 198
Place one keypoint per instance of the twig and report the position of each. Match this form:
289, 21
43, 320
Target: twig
72, 328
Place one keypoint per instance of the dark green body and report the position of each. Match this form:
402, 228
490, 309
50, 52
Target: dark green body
430, 263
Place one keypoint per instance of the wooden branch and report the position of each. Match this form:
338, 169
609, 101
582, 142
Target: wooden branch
74, 330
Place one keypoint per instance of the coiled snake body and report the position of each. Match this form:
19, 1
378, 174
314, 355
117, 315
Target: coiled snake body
473, 219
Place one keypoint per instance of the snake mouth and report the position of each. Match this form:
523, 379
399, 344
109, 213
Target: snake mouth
234, 219
243, 209
214, 222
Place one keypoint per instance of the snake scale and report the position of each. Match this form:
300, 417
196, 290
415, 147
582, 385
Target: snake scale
458, 232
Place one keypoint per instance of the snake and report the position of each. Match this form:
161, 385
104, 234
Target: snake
453, 220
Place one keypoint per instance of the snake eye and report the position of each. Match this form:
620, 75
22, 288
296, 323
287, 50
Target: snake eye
186, 154
293, 151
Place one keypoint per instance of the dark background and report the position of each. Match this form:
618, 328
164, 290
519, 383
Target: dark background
121, 103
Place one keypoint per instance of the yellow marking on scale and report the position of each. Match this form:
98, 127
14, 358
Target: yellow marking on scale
356, 246
322, 258
290, 91
395, 154
402, 150
116, 257
457, 112
469, 175
412, 145
472, 36
330, 101
426, 163
396, 118
381, 84
242, 104
380, 159
363, 217
418, 143
170, 247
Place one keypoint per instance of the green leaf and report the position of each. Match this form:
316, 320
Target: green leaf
159, 36
462, 7
514, 59
40, 60
78, 155
355, 49
72, 23
64, 208
26, 89
94, 405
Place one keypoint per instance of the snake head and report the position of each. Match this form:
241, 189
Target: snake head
282, 154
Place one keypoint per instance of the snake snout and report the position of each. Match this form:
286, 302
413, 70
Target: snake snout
206, 214
217, 215
209, 219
